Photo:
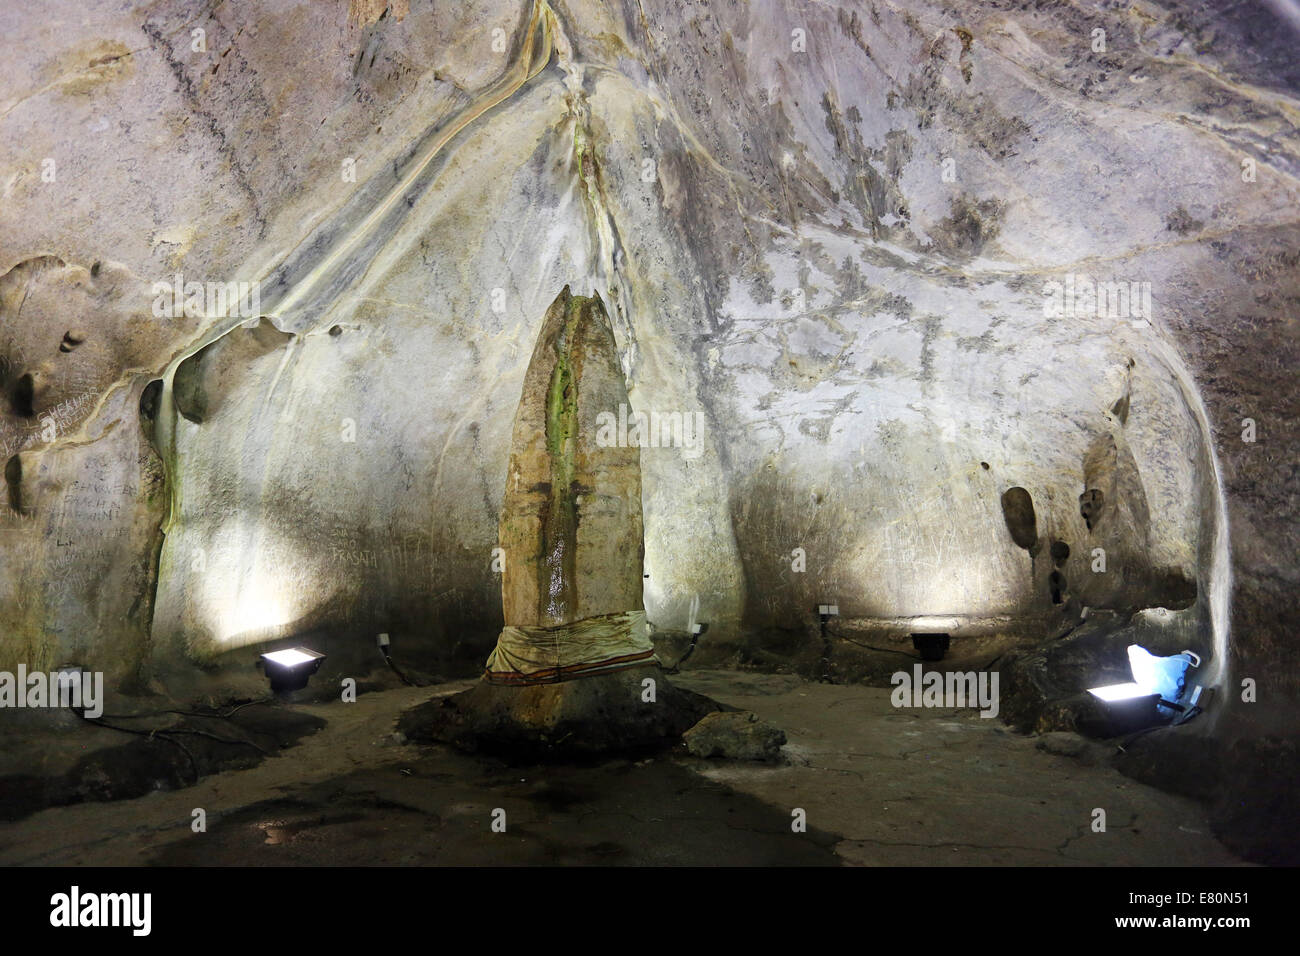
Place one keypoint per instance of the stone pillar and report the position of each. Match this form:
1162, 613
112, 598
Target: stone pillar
574, 670
571, 519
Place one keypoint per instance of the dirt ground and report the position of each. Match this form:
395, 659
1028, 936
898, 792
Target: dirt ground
876, 785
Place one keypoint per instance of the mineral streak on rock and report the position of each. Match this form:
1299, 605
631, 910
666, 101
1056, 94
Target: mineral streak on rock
571, 519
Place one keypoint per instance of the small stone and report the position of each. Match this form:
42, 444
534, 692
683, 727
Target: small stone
1062, 743
736, 735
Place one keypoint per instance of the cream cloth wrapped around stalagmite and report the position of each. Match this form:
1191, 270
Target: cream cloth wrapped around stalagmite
593, 645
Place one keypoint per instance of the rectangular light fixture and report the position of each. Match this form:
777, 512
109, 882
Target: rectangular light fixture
1159, 676
291, 657
931, 645
291, 668
1157, 682
1125, 708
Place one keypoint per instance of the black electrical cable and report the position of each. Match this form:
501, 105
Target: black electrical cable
166, 732
151, 734
827, 676
225, 740
1141, 733
870, 647
396, 670
230, 713
192, 713
695, 639
676, 668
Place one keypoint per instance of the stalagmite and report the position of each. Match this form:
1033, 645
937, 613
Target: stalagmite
574, 670
571, 520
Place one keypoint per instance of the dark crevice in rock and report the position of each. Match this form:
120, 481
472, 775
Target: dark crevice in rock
1091, 503
1056, 585
202, 381
14, 483
23, 395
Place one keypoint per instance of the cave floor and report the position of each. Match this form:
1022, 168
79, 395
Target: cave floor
879, 786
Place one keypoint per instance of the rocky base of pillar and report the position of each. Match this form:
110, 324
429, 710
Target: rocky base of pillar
607, 714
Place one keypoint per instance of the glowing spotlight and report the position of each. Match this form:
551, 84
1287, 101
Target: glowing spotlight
1157, 685
1112, 692
290, 669
1162, 676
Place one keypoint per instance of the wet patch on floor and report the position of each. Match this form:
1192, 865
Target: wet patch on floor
130, 756
440, 810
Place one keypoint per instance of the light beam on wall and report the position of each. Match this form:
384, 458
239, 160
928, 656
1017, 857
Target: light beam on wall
256, 613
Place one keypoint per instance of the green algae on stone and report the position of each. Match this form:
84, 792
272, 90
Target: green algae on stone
571, 520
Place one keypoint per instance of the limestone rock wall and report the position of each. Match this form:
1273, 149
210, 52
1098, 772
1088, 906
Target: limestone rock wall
829, 234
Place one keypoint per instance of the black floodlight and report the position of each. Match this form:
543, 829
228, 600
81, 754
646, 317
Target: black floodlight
290, 669
1157, 686
932, 646
1127, 707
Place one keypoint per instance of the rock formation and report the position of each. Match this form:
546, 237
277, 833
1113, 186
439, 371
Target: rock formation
574, 670
864, 242
571, 535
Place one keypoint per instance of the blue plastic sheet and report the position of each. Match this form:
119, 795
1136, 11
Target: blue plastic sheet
1165, 676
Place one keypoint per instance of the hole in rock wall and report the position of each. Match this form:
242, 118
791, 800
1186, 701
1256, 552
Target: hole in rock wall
188, 392
203, 381
150, 402
14, 482
1090, 505
1056, 585
24, 395
1018, 510
149, 398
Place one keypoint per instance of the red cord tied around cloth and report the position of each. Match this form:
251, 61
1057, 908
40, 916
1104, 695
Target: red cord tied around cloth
549, 655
